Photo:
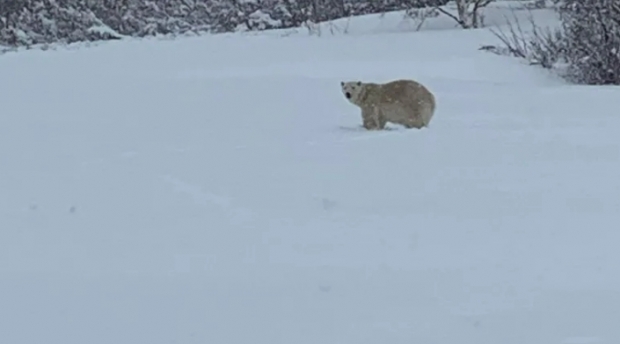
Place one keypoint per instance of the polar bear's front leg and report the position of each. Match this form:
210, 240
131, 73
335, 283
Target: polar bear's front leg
371, 119
368, 118
381, 119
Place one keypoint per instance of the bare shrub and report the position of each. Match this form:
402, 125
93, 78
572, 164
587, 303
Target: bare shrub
543, 46
586, 47
419, 15
469, 15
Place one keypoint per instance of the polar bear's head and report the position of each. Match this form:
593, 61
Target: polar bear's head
352, 90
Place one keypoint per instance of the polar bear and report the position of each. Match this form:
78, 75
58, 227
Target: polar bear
404, 102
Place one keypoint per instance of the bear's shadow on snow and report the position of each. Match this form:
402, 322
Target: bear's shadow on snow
361, 128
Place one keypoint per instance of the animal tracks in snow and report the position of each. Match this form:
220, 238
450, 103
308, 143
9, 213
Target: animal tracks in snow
124, 155
360, 134
236, 215
199, 196
582, 340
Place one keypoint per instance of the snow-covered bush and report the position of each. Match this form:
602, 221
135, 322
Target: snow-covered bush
591, 31
586, 46
28, 22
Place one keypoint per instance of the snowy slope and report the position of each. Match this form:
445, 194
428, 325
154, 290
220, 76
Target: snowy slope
206, 190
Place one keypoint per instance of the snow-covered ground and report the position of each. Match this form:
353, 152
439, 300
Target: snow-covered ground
214, 190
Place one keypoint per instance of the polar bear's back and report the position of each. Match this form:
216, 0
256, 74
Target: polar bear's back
406, 102
406, 91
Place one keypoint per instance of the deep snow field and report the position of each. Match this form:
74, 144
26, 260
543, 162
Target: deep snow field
215, 189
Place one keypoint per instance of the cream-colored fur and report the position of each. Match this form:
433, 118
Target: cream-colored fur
404, 102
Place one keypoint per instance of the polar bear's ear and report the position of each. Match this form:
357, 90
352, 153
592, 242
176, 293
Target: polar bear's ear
359, 83
342, 83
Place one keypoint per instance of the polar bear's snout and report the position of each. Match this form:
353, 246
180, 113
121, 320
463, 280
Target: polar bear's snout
350, 89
